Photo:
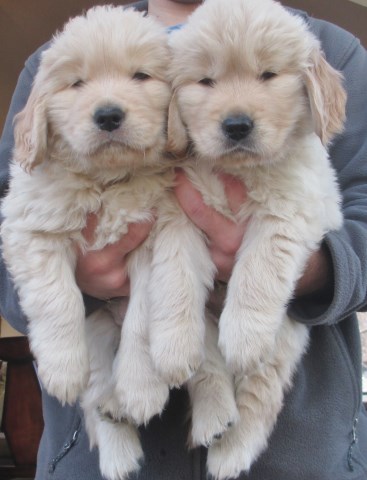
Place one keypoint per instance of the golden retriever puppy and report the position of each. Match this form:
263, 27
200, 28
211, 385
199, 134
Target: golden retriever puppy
254, 97
90, 140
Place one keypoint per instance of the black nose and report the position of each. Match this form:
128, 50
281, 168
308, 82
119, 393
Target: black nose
108, 118
237, 127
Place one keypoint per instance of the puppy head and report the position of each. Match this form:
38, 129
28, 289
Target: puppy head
100, 97
249, 79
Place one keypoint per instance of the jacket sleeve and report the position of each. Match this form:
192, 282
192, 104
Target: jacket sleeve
9, 305
348, 246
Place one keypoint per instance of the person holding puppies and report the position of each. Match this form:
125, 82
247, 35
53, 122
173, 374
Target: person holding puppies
322, 430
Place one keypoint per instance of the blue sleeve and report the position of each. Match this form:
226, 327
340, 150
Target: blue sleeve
9, 305
348, 246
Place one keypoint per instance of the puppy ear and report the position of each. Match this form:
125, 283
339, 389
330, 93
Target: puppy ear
177, 138
30, 132
326, 95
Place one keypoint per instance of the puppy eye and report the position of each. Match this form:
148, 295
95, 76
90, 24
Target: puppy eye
267, 76
78, 83
141, 76
209, 82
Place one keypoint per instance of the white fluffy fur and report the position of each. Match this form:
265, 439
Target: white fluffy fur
65, 167
292, 193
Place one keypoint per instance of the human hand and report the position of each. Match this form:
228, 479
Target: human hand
102, 273
224, 235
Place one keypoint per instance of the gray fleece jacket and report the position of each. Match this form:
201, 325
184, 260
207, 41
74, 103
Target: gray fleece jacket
322, 431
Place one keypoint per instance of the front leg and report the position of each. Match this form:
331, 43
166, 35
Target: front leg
141, 392
54, 306
182, 274
270, 260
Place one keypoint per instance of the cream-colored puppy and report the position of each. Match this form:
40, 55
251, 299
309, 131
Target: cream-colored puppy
90, 140
254, 97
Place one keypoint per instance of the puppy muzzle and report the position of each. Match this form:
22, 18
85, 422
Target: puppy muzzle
237, 128
108, 118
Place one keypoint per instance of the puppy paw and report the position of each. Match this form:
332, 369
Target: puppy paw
120, 451
142, 396
64, 375
228, 460
246, 347
177, 359
176, 372
213, 405
211, 424
241, 445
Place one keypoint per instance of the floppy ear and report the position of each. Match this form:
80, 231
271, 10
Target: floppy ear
177, 138
326, 95
30, 132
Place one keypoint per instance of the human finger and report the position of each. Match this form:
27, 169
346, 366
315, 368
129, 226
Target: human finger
235, 191
221, 231
103, 273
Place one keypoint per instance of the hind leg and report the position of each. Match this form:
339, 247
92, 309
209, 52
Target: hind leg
120, 452
259, 399
211, 391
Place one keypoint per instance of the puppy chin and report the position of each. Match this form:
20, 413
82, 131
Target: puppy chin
104, 150
114, 147
221, 152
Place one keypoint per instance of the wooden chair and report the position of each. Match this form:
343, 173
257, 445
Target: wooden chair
22, 421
